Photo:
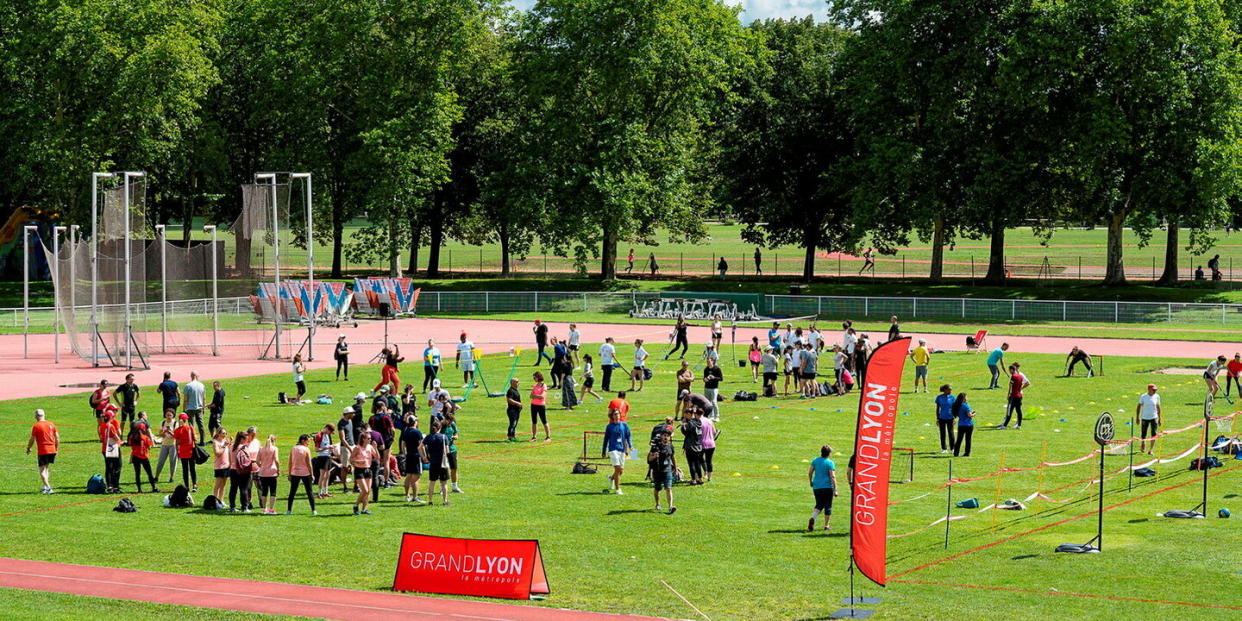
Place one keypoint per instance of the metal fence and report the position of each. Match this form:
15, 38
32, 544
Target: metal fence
42, 318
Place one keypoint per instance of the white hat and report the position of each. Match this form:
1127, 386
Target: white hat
341, 335
684, 392
360, 396
435, 383
347, 410
384, 388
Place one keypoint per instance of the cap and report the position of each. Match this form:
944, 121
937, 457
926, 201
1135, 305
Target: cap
684, 392
360, 396
384, 388
1151, 387
435, 383
347, 411
341, 335
184, 416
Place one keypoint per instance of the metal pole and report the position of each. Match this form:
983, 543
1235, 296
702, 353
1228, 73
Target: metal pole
310, 262
95, 265
26, 230
56, 284
276, 255
1130, 471
129, 331
1099, 523
73, 280
215, 298
948, 505
163, 237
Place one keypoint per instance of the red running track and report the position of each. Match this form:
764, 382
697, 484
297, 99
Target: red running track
38, 376
265, 597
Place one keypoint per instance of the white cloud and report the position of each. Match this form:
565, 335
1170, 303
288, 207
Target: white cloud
754, 9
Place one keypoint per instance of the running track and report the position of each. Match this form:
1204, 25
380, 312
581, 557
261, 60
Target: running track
266, 597
40, 377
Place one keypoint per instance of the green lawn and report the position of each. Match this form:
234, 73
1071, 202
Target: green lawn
20, 605
736, 547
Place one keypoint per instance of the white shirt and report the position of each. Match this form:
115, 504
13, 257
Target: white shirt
466, 351
297, 373
796, 359
788, 360
813, 339
434, 398
1213, 368
787, 338
716, 327
711, 354
640, 357
848, 342
838, 361
1148, 405
607, 352
574, 335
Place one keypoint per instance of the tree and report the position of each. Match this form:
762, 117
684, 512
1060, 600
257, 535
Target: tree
1151, 93
788, 145
623, 93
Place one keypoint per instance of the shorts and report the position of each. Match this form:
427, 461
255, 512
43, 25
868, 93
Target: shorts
769, 376
788, 372
754, 363
452, 459
301, 387
823, 499
47, 460
797, 375
437, 473
638, 370
661, 479
573, 348
717, 335
361, 473
413, 464
588, 382
321, 462
224, 473
679, 389
810, 375
1209, 377
920, 371
616, 458
467, 366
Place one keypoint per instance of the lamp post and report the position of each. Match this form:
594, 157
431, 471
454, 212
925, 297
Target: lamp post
95, 177
276, 255
215, 300
129, 330
310, 265
26, 231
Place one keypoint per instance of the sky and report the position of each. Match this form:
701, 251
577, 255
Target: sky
756, 9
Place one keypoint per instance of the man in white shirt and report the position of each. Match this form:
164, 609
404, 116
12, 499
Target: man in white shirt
607, 360
813, 339
1148, 412
433, 398
787, 338
465, 360
194, 399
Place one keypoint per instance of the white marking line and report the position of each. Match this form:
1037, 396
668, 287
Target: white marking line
218, 594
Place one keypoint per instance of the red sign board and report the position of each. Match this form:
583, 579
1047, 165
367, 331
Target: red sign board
508, 568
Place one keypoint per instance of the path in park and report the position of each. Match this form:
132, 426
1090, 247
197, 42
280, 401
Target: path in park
266, 597
38, 376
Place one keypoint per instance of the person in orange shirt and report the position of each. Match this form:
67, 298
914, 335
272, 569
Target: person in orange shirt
621, 406
1233, 370
110, 445
140, 444
44, 437
186, 439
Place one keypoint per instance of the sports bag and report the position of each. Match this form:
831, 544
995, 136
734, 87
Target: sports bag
95, 484
125, 506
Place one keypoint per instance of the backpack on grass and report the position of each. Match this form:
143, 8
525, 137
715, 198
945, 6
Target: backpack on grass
125, 506
180, 498
95, 484
581, 468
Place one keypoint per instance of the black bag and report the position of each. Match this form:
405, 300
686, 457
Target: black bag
1144, 472
1200, 463
581, 468
970, 342
180, 498
125, 506
200, 456
769, 390
281, 398
742, 395
211, 503
646, 374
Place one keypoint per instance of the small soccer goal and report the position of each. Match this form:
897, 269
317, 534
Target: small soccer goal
902, 470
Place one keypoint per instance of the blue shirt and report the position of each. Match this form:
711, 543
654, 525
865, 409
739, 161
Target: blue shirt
774, 338
994, 358
823, 468
944, 407
168, 389
616, 437
963, 416
431, 357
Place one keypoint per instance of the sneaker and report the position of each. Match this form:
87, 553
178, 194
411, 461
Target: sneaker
314, 512
620, 492
672, 510
943, 451
419, 501
366, 512
44, 489
408, 498
1002, 426
658, 508
456, 490
810, 525
50, 491
445, 503
355, 509
286, 512
1017, 426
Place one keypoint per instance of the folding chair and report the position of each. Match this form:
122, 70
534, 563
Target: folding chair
980, 341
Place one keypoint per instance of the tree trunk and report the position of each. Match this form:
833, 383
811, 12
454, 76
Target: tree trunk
1169, 277
1115, 270
187, 219
608, 256
416, 233
437, 236
394, 265
996, 255
810, 238
502, 233
338, 224
937, 258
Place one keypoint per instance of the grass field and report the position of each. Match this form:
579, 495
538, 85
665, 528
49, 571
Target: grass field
737, 546
20, 605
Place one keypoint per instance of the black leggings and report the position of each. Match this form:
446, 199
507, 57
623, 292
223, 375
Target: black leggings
189, 476
683, 344
607, 385
515, 416
239, 482
946, 430
1085, 362
538, 414
1015, 405
695, 460
112, 472
963, 437
707, 459
1149, 425
342, 364
141, 463
267, 486
429, 375
293, 491
1232, 380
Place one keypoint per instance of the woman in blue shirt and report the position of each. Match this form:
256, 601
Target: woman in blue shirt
965, 416
944, 417
823, 478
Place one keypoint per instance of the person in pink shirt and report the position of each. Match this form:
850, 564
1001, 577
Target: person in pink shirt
709, 444
538, 408
222, 446
361, 459
300, 472
269, 473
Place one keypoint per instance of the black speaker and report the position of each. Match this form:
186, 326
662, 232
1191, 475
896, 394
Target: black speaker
385, 310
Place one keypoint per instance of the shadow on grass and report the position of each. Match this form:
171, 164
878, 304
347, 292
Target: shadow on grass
1022, 557
627, 511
